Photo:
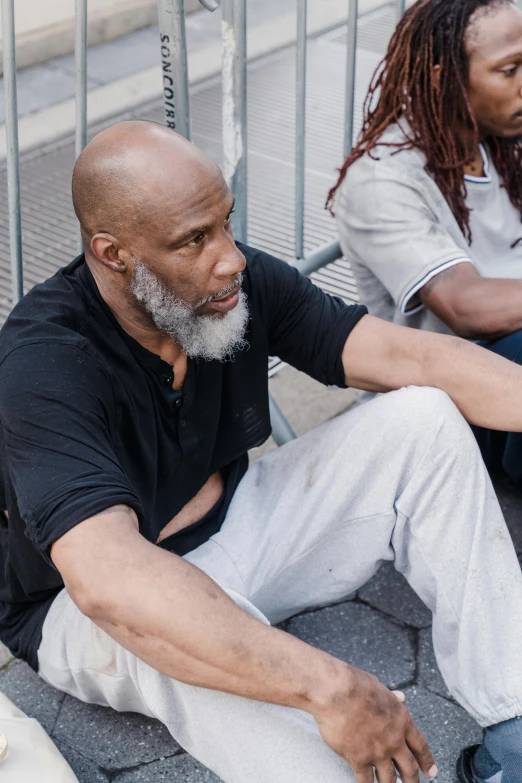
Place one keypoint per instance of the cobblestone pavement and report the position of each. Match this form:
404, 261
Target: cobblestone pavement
384, 629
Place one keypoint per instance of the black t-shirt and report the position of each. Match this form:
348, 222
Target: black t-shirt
89, 420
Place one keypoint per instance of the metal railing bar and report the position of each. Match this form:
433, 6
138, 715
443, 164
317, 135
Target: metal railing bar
321, 257
400, 6
174, 65
13, 152
81, 74
351, 48
80, 51
234, 29
300, 126
282, 431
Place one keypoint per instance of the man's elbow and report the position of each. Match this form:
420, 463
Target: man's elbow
92, 601
464, 318
474, 326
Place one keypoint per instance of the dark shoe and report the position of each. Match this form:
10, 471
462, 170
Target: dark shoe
464, 765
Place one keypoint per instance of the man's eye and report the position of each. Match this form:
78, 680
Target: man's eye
229, 217
196, 241
511, 71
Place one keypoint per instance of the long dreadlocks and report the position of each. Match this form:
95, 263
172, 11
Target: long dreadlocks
432, 32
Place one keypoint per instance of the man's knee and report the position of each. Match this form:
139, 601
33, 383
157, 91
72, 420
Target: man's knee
422, 405
425, 412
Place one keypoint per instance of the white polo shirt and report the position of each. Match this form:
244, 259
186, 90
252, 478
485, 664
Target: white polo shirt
397, 230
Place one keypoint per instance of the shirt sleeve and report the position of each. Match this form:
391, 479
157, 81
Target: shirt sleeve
386, 223
57, 413
306, 327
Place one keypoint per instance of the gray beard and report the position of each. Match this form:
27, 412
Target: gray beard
199, 336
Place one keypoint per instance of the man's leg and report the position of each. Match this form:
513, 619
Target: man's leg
398, 478
502, 451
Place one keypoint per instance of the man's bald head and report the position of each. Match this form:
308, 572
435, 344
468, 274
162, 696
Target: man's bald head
129, 175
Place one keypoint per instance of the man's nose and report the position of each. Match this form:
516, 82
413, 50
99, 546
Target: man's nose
230, 260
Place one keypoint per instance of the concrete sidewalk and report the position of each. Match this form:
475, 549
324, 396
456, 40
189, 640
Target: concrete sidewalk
126, 72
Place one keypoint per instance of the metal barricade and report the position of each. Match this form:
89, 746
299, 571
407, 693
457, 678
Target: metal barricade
13, 155
400, 8
234, 86
176, 99
80, 47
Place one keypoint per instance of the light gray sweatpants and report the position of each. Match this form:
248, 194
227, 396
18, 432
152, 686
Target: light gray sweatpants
400, 479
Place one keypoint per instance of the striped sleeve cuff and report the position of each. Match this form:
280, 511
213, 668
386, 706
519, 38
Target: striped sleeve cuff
407, 307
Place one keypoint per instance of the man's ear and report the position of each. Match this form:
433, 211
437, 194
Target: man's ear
109, 251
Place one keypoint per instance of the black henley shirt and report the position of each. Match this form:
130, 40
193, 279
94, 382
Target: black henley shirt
89, 420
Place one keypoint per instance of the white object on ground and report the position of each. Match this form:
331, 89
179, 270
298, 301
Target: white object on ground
3, 746
32, 757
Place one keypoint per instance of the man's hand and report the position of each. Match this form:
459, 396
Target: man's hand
371, 728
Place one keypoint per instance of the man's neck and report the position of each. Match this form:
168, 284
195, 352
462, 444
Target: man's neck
476, 167
134, 321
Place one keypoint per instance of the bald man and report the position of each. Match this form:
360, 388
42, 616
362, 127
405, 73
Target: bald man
142, 560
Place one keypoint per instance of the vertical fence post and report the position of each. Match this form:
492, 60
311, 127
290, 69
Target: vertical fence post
81, 74
171, 16
234, 28
13, 156
80, 48
350, 75
300, 127
400, 8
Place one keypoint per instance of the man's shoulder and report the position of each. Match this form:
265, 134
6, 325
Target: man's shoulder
388, 160
52, 313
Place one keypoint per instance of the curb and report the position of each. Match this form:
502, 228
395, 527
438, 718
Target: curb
54, 122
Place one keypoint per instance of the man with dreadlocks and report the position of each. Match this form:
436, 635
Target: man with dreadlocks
429, 202
429, 206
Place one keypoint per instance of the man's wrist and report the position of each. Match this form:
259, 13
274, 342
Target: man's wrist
331, 688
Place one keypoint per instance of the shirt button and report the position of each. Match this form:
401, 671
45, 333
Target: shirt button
183, 424
169, 379
178, 403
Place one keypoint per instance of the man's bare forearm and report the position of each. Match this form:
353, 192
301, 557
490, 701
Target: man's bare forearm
474, 307
485, 387
173, 616
380, 356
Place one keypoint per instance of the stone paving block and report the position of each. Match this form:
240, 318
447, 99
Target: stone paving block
5, 655
390, 592
179, 769
112, 740
362, 637
447, 727
86, 771
31, 694
429, 674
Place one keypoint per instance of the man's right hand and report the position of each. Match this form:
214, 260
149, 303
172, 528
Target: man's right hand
370, 727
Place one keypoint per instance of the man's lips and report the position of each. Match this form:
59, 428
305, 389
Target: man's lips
226, 302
